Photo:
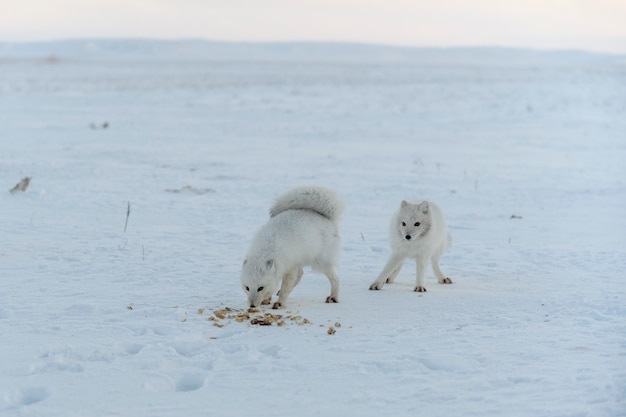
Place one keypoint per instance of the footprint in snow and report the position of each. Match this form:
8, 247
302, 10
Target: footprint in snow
450, 363
65, 360
189, 383
131, 348
189, 349
27, 396
271, 351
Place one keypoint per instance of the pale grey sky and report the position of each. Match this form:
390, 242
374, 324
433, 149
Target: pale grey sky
596, 25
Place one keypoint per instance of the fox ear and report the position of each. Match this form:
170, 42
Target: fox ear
269, 265
404, 203
424, 207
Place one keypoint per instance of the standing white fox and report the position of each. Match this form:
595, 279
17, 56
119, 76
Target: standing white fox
302, 231
417, 231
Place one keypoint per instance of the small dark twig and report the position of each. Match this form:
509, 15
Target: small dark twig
127, 216
144, 253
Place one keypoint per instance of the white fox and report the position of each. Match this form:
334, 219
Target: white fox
302, 231
417, 231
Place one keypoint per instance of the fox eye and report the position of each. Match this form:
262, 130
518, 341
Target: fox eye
247, 288
403, 224
260, 289
417, 224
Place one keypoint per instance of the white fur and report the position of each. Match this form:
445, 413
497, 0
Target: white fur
425, 242
315, 198
302, 231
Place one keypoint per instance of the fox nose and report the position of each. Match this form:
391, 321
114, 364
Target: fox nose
252, 306
408, 237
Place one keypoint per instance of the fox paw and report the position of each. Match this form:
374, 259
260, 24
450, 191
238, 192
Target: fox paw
376, 286
277, 305
419, 288
446, 281
389, 281
331, 299
266, 301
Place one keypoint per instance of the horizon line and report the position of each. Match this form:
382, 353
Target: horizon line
311, 42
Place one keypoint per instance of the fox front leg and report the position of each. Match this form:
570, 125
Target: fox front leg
389, 272
420, 272
290, 280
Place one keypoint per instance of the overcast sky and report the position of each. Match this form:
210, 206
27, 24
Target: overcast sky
597, 25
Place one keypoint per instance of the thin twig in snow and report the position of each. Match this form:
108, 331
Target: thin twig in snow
127, 215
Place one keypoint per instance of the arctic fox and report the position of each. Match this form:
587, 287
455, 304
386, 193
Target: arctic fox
302, 231
417, 231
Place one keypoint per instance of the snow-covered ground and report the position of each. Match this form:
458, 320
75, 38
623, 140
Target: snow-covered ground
526, 157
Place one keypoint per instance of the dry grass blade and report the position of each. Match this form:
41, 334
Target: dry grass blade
21, 186
190, 189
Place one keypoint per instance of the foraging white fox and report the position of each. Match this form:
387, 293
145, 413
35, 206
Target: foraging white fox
302, 231
417, 231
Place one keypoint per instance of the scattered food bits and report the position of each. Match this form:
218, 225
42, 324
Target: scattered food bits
267, 319
254, 317
331, 330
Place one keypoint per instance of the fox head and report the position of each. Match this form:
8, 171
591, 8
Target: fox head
413, 220
258, 280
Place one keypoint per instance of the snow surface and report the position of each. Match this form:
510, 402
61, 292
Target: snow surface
527, 161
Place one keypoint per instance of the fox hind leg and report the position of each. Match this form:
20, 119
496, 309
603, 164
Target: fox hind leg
334, 284
441, 278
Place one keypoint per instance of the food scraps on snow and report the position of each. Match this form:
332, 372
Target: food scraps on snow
254, 317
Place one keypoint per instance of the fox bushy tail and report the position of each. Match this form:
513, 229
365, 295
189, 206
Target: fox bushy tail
318, 199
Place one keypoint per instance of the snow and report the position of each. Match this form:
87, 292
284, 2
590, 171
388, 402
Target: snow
525, 158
